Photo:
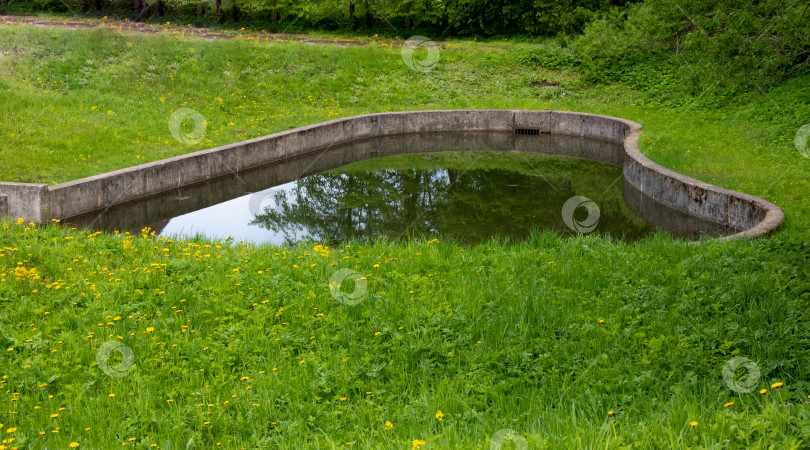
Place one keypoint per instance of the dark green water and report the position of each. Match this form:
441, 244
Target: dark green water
450, 195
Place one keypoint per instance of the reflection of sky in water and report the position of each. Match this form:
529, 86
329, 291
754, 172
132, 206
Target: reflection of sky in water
233, 218
229, 219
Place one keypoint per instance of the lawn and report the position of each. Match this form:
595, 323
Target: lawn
569, 341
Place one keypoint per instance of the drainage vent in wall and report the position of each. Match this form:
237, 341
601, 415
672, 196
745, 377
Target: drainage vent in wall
529, 131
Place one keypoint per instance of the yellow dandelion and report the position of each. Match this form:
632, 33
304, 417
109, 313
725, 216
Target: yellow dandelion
610, 412
763, 391
440, 415
73, 444
388, 425
728, 404
693, 424
777, 385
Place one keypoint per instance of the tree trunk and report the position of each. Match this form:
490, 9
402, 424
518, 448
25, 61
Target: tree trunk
160, 8
351, 12
98, 5
219, 8
368, 16
136, 6
235, 13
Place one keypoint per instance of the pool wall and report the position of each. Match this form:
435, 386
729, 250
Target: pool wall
39, 202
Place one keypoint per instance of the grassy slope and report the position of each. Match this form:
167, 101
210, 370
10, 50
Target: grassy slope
86, 102
673, 313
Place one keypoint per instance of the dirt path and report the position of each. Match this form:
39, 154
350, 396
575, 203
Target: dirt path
189, 30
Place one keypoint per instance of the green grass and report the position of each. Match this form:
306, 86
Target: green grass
673, 313
495, 336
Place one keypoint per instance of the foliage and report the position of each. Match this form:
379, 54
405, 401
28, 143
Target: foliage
402, 17
724, 47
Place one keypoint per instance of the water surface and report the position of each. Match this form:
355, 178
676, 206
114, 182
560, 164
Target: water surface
417, 185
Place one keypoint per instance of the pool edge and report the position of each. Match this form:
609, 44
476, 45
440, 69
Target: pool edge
39, 202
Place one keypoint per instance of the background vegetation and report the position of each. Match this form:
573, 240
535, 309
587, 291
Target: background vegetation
453, 17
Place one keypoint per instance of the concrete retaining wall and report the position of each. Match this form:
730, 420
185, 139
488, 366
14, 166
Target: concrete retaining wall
39, 202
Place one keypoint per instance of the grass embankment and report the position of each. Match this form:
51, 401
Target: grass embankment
544, 337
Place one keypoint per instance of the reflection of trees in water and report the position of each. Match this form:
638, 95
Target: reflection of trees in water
470, 206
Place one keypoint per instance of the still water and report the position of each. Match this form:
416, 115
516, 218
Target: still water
469, 187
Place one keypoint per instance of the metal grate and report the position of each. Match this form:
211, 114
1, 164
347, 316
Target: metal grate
529, 131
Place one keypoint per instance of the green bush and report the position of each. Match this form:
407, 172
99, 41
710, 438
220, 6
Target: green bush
716, 46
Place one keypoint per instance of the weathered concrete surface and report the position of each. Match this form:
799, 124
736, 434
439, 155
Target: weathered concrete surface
25, 200
755, 216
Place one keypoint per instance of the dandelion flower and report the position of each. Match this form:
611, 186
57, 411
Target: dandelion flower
728, 404
440, 415
777, 385
610, 412
763, 391
693, 424
388, 425
73, 444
